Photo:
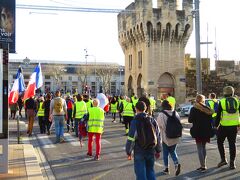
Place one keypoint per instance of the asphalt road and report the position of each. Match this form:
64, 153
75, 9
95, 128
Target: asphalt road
69, 161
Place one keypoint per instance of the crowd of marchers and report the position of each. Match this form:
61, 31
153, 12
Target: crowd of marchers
148, 133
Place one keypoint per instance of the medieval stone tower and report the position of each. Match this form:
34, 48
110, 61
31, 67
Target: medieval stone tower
153, 41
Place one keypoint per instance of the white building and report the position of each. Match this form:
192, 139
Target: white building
73, 76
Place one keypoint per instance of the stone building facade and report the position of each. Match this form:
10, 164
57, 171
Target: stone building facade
153, 41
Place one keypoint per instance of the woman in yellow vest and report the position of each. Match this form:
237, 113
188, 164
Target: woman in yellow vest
40, 115
227, 123
95, 128
80, 109
128, 112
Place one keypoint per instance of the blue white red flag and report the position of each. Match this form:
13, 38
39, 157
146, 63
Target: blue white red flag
18, 87
34, 83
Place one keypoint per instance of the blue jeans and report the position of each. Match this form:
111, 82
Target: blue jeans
144, 165
169, 150
59, 127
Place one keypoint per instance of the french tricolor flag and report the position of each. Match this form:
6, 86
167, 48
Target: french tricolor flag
34, 83
18, 87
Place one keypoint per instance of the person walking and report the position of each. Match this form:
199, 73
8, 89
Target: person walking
128, 112
171, 100
46, 107
80, 109
113, 108
200, 116
13, 109
58, 113
227, 123
20, 105
69, 102
95, 128
40, 115
169, 144
30, 109
213, 104
146, 100
143, 157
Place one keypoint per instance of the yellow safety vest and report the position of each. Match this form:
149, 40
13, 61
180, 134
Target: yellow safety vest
228, 119
211, 104
89, 104
152, 103
127, 109
96, 120
40, 110
171, 101
81, 109
114, 107
135, 102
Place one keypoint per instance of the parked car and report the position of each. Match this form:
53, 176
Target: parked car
184, 110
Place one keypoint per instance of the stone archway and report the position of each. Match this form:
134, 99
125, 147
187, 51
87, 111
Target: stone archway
140, 88
166, 84
130, 86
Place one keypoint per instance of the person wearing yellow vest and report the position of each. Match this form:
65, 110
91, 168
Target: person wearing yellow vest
171, 100
40, 115
128, 112
152, 104
213, 104
120, 103
113, 108
227, 123
87, 101
134, 100
95, 128
80, 109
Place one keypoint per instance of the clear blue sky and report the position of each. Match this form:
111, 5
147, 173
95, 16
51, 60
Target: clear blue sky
51, 35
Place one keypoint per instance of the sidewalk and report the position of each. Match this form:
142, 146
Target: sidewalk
23, 163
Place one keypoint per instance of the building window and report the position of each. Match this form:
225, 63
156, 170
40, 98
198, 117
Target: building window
70, 78
130, 62
113, 88
139, 59
47, 77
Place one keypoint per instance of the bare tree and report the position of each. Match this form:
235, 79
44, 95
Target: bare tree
57, 72
105, 72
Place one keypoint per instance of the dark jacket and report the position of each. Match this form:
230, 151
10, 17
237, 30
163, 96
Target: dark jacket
200, 116
132, 134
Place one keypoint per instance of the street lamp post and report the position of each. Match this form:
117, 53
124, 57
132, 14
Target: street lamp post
120, 69
86, 55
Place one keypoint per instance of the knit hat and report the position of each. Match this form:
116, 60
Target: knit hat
228, 90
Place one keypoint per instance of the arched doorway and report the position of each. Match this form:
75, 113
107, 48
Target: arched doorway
130, 86
165, 85
140, 88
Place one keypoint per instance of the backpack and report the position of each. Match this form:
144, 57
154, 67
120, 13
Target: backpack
146, 133
231, 105
69, 104
58, 105
173, 126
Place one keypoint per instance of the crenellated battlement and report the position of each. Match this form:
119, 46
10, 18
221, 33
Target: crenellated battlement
153, 41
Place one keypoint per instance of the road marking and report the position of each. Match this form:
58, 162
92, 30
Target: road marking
104, 141
158, 164
45, 142
73, 141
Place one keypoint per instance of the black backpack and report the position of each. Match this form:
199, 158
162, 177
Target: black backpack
173, 126
146, 133
231, 105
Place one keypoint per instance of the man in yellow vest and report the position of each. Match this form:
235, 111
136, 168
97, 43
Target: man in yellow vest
80, 109
152, 104
40, 115
213, 104
171, 100
227, 123
95, 128
128, 112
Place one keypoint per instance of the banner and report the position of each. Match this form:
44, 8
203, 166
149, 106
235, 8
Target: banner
7, 24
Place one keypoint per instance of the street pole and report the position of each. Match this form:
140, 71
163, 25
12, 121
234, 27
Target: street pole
198, 50
86, 55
